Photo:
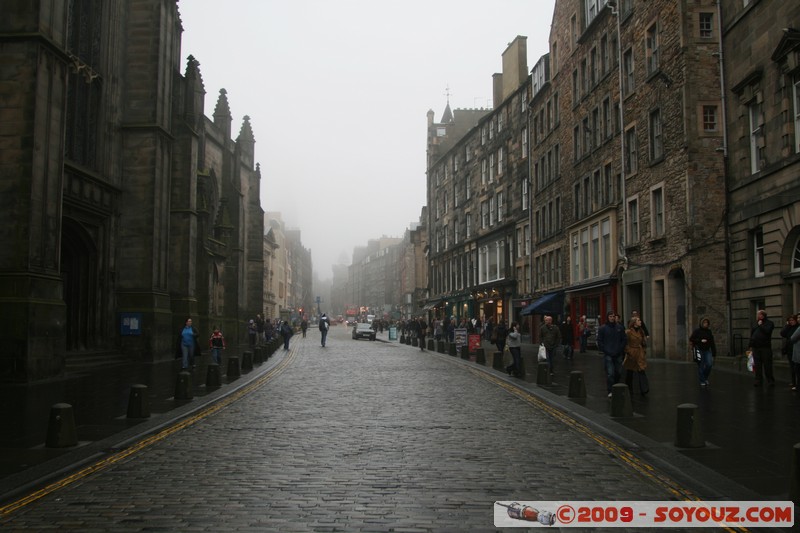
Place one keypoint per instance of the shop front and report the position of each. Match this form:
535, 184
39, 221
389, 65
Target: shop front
593, 300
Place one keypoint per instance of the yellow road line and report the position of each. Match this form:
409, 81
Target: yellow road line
148, 441
631, 460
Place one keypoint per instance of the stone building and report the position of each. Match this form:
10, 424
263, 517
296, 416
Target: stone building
761, 50
641, 177
476, 176
125, 209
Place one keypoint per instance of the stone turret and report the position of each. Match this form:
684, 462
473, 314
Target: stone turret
222, 114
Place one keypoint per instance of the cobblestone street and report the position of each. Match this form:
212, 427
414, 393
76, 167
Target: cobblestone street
356, 436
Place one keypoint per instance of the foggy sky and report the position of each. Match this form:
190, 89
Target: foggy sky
337, 92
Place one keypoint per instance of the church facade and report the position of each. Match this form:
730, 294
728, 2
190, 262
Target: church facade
125, 210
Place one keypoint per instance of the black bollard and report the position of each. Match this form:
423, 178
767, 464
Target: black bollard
138, 406
247, 361
213, 376
577, 387
234, 370
183, 386
688, 432
431, 344
451, 349
621, 405
414, 342
543, 374
480, 356
61, 432
258, 355
497, 361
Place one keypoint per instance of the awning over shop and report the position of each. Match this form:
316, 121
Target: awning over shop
430, 305
552, 303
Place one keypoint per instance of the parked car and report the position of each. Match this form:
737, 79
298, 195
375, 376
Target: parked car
363, 330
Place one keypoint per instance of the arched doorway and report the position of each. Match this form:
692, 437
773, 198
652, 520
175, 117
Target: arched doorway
79, 275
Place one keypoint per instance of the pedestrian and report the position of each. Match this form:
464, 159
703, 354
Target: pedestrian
188, 345
550, 337
259, 329
252, 333
437, 329
635, 362
795, 340
611, 340
422, 329
788, 346
304, 326
635, 314
515, 347
702, 340
286, 332
489, 325
567, 337
500, 333
216, 344
761, 348
583, 332
268, 329
324, 326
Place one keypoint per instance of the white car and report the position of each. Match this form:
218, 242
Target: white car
363, 330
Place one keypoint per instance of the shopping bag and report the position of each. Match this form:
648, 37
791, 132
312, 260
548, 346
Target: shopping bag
750, 363
542, 353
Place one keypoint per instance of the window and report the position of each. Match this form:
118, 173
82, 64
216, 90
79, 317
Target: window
585, 254
484, 214
456, 231
756, 135
609, 184
657, 209
491, 167
524, 143
467, 190
651, 48
466, 153
500, 161
607, 118
656, 138
627, 72
604, 59
595, 251
605, 235
455, 194
491, 129
758, 252
519, 242
593, 66
796, 100
554, 58
556, 115
587, 136
633, 221
491, 262
446, 203
710, 118
483, 135
576, 95
576, 143
492, 210
484, 172
468, 225
501, 120
500, 205
706, 25
575, 259
631, 159
796, 256
527, 235
573, 25
597, 133
525, 187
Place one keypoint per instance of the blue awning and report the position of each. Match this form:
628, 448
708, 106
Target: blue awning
552, 303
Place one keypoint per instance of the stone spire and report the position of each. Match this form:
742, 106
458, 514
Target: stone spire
222, 114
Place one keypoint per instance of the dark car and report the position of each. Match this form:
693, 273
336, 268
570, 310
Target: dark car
364, 331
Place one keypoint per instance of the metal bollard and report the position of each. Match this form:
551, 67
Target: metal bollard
451, 349
61, 432
258, 355
213, 376
543, 374
247, 361
577, 386
440, 347
480, 356
497, 361
414, 342
465, 352
183, 386
138, 406
431, 344
621, 405
234, 370
688, 433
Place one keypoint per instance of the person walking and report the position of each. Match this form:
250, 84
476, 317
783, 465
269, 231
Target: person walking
787, 348
324, 326
761, 347
188, 345
515, 347
286, 332
567, 337
550, 337
795, 341
304, 326
702, 340
259, 330
500, 333
611, 340
216, 343
635, 362
422, 329
583, 332
252, 333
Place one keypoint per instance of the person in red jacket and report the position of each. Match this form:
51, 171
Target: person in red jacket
216, 344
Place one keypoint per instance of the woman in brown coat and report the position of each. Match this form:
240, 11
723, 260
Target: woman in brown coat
635, 356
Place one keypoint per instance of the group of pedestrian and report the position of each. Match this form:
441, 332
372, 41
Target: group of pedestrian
624, 349
188, 346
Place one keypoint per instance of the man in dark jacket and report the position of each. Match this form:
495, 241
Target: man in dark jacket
550, 337
761, 346
611, 341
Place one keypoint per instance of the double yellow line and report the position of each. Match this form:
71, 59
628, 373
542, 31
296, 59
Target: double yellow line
636, 463
148, 441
